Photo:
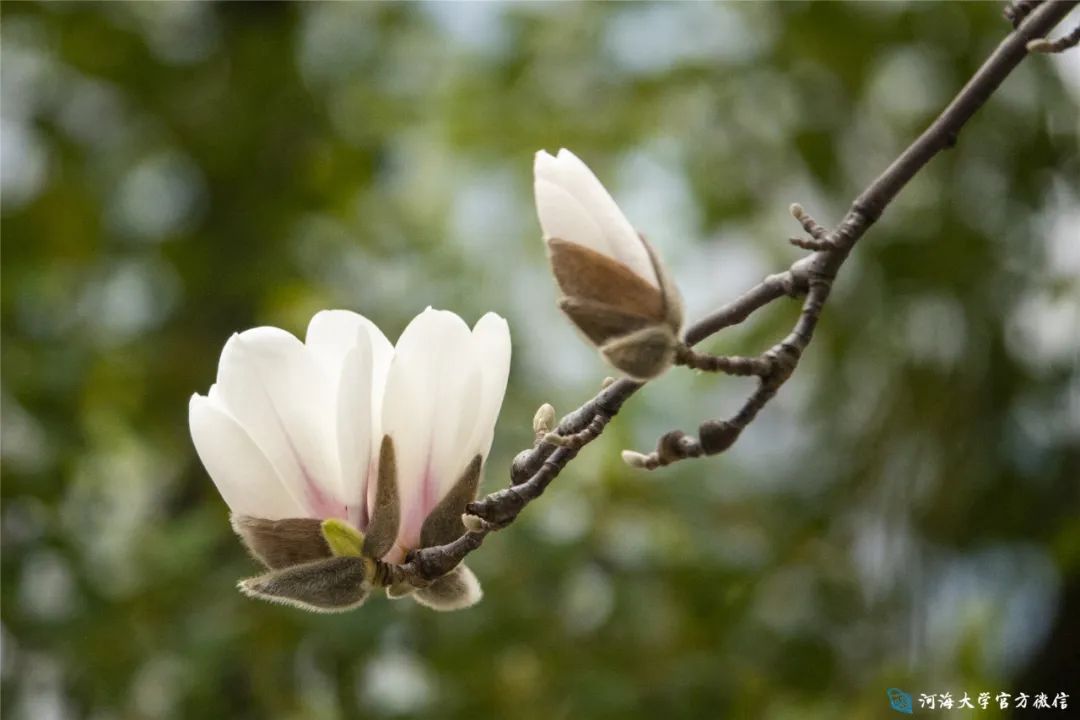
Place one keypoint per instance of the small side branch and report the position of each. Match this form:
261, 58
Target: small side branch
728, 364
579, 440
1017, 10
775, 367
819, 236
1063, 43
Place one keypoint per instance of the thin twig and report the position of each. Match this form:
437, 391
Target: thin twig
534, 469
580, 439
729, 364
1063, 43
1017, 10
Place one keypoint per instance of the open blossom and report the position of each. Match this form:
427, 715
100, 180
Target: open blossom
615, 289
343, 452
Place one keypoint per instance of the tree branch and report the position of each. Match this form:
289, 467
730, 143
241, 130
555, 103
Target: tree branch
812, 276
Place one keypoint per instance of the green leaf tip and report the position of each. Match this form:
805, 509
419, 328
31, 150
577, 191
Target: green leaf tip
343, 539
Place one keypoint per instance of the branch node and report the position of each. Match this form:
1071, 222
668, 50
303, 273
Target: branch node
718, 435
556, 439
1049, 47
499, 508
1017, 10
805, 270
672, 447
520, 468
676, 445
578, 440
792, 283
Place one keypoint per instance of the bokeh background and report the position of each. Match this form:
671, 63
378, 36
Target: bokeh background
905, 514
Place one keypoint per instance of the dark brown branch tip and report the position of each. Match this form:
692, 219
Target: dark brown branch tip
1017, 10
716, 436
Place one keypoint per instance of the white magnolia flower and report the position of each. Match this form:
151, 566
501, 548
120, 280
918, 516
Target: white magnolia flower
295, 433
615, 288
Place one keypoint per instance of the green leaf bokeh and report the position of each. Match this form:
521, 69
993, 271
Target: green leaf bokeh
905, 514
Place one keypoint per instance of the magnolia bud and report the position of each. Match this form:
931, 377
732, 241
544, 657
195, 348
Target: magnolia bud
472, 523
544, 419
635, 459
615, 289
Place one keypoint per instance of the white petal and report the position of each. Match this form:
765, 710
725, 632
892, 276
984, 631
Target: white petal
332, 333
270, 383
242, 474
430, 411
491, 345
356, 353
562, 216
576, 178
354, 431
544, 166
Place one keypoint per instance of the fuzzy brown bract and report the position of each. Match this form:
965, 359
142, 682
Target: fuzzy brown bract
634, 323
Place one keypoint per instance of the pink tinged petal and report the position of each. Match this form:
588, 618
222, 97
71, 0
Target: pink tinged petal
576, 178
429, 410
270, 383
243, 475
356, 355
354, 431
491, 344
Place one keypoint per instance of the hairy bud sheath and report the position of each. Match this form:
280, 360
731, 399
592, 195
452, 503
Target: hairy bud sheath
615, 289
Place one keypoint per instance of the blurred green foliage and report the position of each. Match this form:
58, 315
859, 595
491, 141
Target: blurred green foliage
905, 514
